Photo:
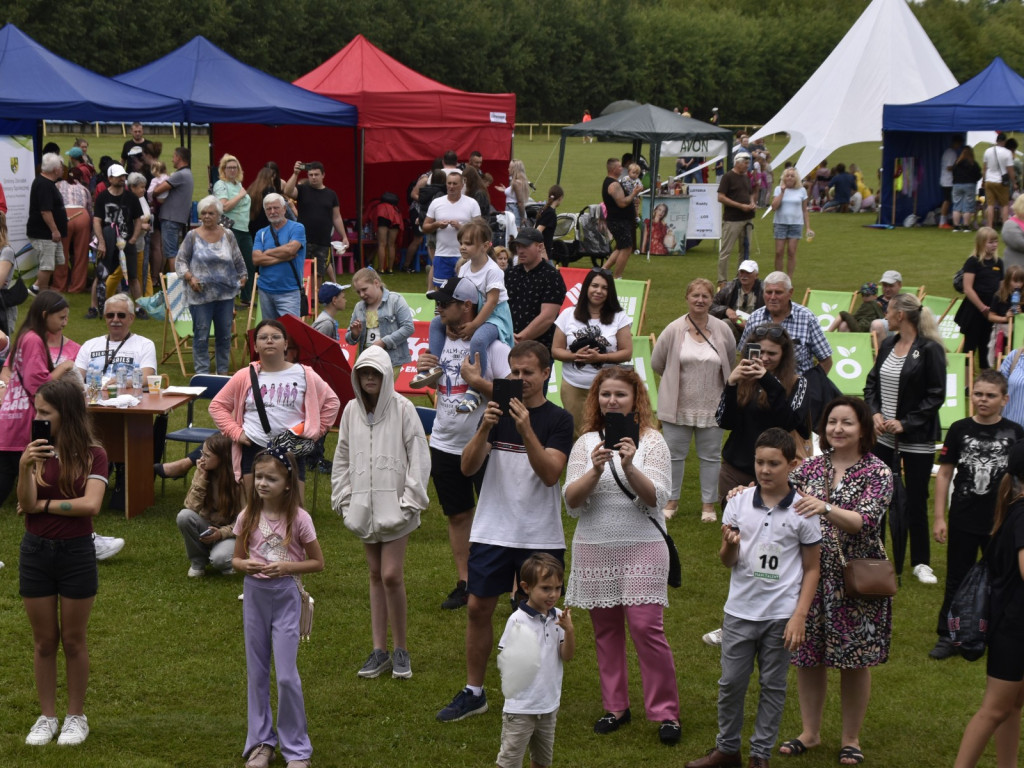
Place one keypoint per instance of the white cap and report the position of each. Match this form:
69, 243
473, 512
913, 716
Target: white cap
748, 266
116, 170
891, 277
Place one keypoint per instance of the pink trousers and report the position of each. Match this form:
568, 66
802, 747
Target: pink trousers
657, 667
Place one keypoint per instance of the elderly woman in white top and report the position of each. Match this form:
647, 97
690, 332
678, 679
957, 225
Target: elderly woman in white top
620, 560
213, 269
694, 356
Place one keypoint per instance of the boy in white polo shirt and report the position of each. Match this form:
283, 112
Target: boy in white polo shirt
774, 554
529, 716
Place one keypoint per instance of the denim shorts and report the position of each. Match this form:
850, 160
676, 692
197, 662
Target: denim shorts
65, 567
492, 568
788, 231
964, 197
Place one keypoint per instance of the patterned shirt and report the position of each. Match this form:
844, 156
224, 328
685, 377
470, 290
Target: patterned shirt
529, 291
802, 326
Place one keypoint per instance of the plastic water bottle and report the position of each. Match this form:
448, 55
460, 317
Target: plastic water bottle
137, 378
121, 373
1015, 302
92, 382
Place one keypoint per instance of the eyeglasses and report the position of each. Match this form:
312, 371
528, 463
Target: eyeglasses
275, 337
118, 315
771, 331
446, 303
602, 271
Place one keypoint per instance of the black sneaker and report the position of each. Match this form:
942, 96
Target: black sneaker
92, 314
943, 649
457, 598
464, 705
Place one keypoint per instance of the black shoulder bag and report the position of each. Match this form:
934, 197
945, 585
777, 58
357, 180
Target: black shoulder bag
675, 568
303, 298
300, 447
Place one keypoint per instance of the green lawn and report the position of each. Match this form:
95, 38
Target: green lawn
168, 671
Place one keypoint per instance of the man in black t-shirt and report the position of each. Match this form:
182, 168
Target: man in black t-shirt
117, 216
535, 289
620, 216
738, 210
319, 213
137, 140
47, 219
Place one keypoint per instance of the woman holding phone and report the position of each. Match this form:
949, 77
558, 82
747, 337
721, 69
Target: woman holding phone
61, 482
620, 560
31, 364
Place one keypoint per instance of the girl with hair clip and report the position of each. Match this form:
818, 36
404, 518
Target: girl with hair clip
61, 482
983, 273
31, 365
620, 560
211, 506
275, 543
1000, 709
1005, 304
905, 389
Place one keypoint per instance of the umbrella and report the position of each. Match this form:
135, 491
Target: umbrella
323, 354
898, 515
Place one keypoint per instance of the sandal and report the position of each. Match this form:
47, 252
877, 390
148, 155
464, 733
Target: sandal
795, 747
851, 753
470, 402
426, 378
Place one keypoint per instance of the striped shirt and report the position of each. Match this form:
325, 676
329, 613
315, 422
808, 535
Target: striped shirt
889, 390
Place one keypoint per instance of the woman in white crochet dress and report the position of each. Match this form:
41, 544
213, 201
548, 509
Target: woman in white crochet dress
619, 558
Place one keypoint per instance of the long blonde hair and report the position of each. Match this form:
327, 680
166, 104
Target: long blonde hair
919, 316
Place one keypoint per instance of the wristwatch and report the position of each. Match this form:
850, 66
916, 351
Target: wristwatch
827, 511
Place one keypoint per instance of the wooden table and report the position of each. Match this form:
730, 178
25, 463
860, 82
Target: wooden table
127, 437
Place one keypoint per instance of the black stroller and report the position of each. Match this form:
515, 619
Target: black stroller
581, 235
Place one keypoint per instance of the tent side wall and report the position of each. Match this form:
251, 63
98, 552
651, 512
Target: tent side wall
927, 150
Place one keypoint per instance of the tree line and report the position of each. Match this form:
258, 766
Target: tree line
746, 57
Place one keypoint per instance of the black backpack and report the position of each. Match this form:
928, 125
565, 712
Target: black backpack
968, 617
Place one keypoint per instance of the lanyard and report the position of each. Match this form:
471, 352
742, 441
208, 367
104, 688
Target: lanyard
107, 357
54, 361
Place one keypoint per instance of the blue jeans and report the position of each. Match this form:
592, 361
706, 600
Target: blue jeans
485, 335
220, 314
171, 233
273, 305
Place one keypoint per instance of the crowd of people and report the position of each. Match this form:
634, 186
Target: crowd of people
745, 359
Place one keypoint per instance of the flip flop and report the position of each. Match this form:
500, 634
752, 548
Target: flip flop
851, 753
795, 747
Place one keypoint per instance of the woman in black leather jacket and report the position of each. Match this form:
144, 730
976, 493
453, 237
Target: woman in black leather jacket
905, 389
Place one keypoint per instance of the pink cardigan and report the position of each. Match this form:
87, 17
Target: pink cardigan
228, 409
19, 408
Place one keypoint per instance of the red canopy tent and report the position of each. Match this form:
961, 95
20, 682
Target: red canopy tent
406, 120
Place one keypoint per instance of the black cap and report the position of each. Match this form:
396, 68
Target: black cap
528, 236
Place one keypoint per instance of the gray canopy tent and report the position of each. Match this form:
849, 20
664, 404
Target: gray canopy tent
645, 124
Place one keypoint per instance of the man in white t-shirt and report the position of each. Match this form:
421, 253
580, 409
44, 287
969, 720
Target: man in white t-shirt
519, 511
946, 178
444, 217
452, 430
997, 161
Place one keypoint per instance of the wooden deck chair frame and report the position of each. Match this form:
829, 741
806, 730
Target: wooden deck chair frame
311, 286
254, 305
182, 341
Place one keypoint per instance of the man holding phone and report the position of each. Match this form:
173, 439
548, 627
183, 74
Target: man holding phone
519, 510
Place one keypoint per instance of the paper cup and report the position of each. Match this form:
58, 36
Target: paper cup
156, 383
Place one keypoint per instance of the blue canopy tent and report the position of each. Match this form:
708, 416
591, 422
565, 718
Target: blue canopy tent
36, 84
991, 101
214, 87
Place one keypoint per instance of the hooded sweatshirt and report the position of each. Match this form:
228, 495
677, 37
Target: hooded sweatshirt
382, 463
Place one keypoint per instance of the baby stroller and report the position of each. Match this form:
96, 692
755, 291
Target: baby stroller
592, 236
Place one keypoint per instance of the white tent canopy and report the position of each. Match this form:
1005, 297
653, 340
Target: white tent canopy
885, 58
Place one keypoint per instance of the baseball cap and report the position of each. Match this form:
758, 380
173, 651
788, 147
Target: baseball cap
741, 156
869, 289
891, 277
748, 266
75, 152
528, 236
116, 170
454, 289
328, 291
134, 151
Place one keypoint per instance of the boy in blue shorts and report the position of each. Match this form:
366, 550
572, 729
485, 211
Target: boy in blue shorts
774, 554
529, 715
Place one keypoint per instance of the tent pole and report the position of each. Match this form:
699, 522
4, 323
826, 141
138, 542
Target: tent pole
361, 193
561, 157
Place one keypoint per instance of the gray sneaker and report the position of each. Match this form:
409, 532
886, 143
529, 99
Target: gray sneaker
376, 664
402, 667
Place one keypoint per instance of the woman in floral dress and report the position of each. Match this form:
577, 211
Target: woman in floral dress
850, 489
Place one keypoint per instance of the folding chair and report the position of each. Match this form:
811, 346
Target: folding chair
192, 434
178, 320
422, 307
853, 355
826, 305
633, 298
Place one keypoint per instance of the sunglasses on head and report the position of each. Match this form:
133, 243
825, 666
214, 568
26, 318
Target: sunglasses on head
772, 332
118, 315
602, 271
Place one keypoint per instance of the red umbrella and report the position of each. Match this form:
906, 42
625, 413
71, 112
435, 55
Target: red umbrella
323, 354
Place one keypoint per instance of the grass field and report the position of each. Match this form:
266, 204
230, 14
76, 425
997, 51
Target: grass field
168, 672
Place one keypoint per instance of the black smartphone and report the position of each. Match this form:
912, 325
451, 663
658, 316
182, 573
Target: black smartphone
505, 390
41, 430
618, 426
753, 351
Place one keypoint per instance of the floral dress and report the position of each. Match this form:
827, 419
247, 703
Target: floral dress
845, 632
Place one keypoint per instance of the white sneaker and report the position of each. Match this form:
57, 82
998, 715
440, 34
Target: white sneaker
106, 546
43, 731
713, 638
196, 573
925, 574
75, 731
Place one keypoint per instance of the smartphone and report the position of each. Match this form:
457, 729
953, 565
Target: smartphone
207, 532
41, 429
753, 351
302, 166
620, 425
505, 390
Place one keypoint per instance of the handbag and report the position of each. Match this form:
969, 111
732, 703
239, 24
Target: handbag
967, 620
864, 578
675, 567
289, 440
280, 552
303, 298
